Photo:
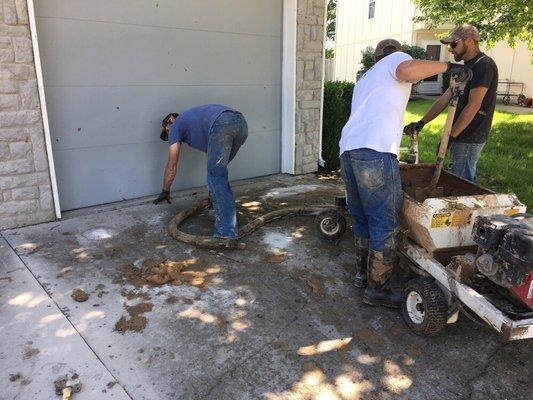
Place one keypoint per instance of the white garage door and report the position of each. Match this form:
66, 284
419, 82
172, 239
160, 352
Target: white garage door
113, 68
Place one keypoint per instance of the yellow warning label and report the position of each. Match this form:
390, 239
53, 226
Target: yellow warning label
511, 211
441, 220
449, 219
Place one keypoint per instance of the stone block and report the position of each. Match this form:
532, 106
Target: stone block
27, 193
309, 75
23, 50
18, 207
315, 46
308, 150
8, 86
310, 135
5, 154
13, 134
306, 19
21, 166
14, 30
300, 66
19, 118
305, 95
9, 102
7, 56
22, 11
306, 104
23, 180
20, 220
10, 12
5, 43
19, 150
29, 94
39, 148
17, 71
46, 200
7, 195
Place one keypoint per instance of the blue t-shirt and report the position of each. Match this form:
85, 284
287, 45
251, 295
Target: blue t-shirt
193, 125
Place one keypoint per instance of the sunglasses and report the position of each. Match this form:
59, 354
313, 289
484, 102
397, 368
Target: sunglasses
453, 45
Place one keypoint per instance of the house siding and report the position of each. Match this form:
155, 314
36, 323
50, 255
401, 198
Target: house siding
25, 188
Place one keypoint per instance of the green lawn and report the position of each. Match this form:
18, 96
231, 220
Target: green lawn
506, 163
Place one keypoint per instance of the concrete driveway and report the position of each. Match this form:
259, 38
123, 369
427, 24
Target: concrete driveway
278, 320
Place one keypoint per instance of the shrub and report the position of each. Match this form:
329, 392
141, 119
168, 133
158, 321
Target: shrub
337, 105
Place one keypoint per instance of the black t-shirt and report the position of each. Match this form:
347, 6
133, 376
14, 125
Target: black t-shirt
485, 73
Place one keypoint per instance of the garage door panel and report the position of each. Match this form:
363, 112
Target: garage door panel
259, 156
113, 69
153, 56
116, 116
241, 16
97, 167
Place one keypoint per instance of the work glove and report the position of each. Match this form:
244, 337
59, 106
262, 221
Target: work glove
460, 72
413, 127
165, 195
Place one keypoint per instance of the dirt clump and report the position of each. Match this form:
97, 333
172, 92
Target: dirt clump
136, 322
79, 295
163, 272
14, 377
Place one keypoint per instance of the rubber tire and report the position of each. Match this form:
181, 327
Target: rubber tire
435, 307
521, 99
506, 99
340, 227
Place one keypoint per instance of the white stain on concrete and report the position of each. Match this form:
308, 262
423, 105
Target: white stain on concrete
277, 240
281, 192
99, 234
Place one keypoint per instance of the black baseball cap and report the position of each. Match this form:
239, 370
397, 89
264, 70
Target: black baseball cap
164, 134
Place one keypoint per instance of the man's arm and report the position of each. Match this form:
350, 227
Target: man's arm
172, 165
438, 106
475, 98
170, 173
416, 70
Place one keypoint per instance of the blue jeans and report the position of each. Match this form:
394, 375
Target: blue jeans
227, 135
464, 158
374, 195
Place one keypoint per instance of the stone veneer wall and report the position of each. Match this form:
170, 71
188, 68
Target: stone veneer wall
25, 191
309, 54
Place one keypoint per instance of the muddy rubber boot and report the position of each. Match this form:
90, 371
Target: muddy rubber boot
378, 291
361, 261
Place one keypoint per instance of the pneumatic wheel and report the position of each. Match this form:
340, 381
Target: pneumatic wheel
521, 99
424, 307
506, 99
330, 224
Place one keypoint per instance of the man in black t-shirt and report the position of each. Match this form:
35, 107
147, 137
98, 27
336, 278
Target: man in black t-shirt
475, 107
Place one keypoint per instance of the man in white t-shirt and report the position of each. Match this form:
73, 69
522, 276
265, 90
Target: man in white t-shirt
369, 149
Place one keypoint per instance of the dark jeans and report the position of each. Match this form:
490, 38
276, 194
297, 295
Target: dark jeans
464, 158
374, 195
227, 135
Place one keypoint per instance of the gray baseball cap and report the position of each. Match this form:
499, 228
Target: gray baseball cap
462, 32
390, 45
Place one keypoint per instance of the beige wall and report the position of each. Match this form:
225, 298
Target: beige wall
355, 32
514, 64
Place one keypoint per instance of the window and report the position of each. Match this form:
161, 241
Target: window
371, 8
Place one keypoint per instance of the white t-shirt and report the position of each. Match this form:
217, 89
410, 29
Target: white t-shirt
378, 106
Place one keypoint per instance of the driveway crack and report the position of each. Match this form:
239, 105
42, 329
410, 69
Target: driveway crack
483, 370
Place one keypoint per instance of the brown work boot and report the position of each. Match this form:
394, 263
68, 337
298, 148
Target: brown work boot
361, 261
378, 291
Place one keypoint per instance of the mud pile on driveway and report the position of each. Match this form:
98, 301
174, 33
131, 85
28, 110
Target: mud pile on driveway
161, 272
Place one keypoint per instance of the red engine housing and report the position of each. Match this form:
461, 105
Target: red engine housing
525, 292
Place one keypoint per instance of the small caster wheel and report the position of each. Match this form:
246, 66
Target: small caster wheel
424, 307
330, 224
521, 99
506, 99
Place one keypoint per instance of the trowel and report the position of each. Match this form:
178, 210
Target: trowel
432, 190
